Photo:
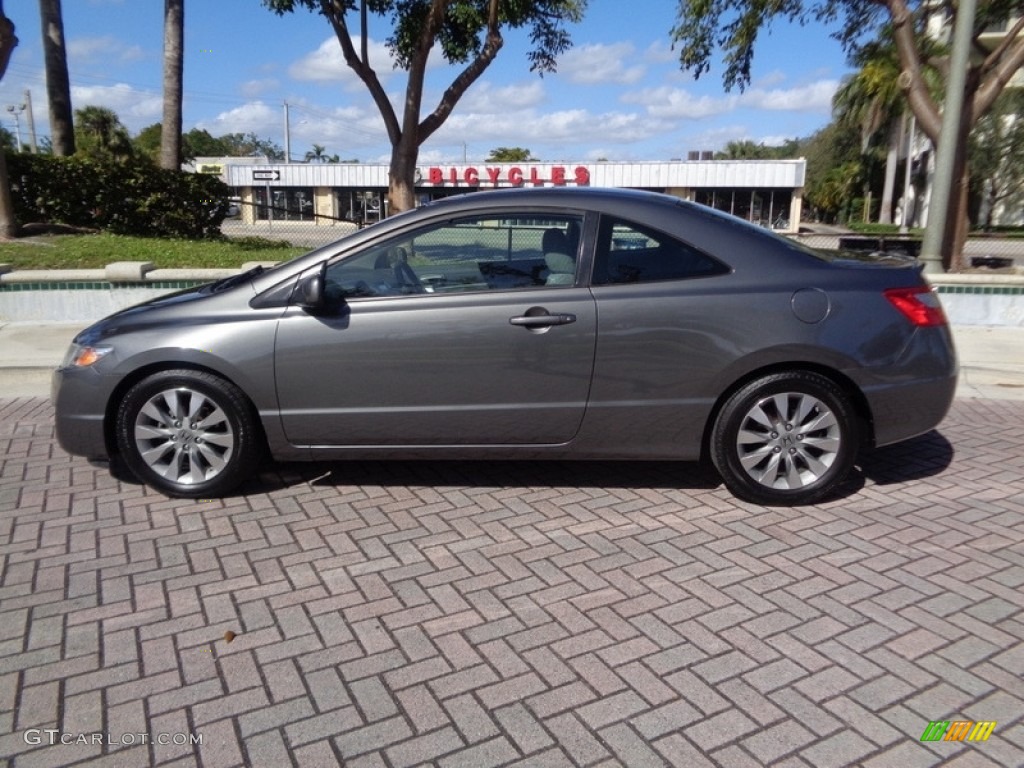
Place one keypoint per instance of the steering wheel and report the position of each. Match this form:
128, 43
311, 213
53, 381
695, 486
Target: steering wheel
406, 278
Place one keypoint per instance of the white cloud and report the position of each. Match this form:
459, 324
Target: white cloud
599, 64
671, 103
327, 63
255, 117
774, 77
488, 99
253, 88
677, 104
660, 53
813, 97
87, 47
561, 132
103, 49
133, 53
136, 108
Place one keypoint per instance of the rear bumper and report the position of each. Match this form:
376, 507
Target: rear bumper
903, 412
914, 396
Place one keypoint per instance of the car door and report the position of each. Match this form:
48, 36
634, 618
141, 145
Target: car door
447, 334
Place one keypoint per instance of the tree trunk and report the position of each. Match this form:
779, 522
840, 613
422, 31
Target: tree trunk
891, 161
8, 224
58, 88
402, 180
174, 41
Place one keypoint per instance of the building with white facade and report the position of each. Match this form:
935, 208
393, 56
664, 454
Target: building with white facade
765, 192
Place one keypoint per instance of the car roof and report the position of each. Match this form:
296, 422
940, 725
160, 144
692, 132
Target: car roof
584, 197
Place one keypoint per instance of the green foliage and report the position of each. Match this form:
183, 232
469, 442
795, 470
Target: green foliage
459, 35
732, 26
95, 251
997, 159
833, 170
99, 134
200, 143
147, 142
749, 150
511, 155
131, 197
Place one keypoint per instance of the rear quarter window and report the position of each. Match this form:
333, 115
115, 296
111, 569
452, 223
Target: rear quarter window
633, 253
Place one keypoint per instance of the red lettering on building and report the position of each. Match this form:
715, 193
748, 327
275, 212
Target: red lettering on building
513, 176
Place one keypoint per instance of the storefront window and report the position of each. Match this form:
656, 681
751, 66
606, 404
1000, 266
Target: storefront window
769, 208
286, 203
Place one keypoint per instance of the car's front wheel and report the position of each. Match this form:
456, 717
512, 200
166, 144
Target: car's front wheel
785, 439
188, 433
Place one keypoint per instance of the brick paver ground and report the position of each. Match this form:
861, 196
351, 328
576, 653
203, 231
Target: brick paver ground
505, 614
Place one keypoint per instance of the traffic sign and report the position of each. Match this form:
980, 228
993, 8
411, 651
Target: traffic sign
265, 175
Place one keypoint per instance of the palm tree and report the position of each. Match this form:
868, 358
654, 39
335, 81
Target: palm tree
174, 41
8, 41
318, 154
872, 100
101, 134
58, 87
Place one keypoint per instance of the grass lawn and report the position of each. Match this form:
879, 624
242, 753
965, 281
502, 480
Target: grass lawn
98, 250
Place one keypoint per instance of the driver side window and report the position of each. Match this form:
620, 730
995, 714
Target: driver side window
499, 251
382, 270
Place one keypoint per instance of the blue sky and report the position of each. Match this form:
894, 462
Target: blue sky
618, 94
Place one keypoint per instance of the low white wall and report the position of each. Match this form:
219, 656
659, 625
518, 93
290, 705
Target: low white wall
993, 300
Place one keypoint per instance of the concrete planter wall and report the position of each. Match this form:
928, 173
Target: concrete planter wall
83, 296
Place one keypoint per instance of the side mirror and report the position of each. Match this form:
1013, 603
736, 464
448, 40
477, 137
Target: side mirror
309, 293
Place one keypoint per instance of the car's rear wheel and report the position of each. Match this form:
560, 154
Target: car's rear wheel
188, 433
785, 439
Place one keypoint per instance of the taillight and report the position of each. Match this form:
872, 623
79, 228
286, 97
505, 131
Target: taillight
920, 305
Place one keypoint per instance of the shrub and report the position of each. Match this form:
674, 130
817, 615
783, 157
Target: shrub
126, 198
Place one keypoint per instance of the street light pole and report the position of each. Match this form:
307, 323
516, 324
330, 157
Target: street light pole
16, 110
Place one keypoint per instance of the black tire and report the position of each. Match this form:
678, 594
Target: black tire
785, 439
205, 456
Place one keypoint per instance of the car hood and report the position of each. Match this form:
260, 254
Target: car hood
215, 297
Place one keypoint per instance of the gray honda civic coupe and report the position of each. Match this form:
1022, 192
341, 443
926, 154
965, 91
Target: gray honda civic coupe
533, 323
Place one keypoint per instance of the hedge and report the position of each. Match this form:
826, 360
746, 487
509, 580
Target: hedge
126, 198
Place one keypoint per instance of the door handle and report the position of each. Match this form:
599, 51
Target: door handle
542, 320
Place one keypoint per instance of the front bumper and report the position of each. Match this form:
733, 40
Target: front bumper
79, 398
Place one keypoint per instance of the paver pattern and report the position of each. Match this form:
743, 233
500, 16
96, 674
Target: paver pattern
500, 614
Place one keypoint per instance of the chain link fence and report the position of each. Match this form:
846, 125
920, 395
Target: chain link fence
981, 251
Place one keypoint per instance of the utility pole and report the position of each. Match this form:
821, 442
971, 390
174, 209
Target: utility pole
942, 185
287, 136
30, 119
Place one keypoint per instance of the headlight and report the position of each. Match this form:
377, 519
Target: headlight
79, 356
